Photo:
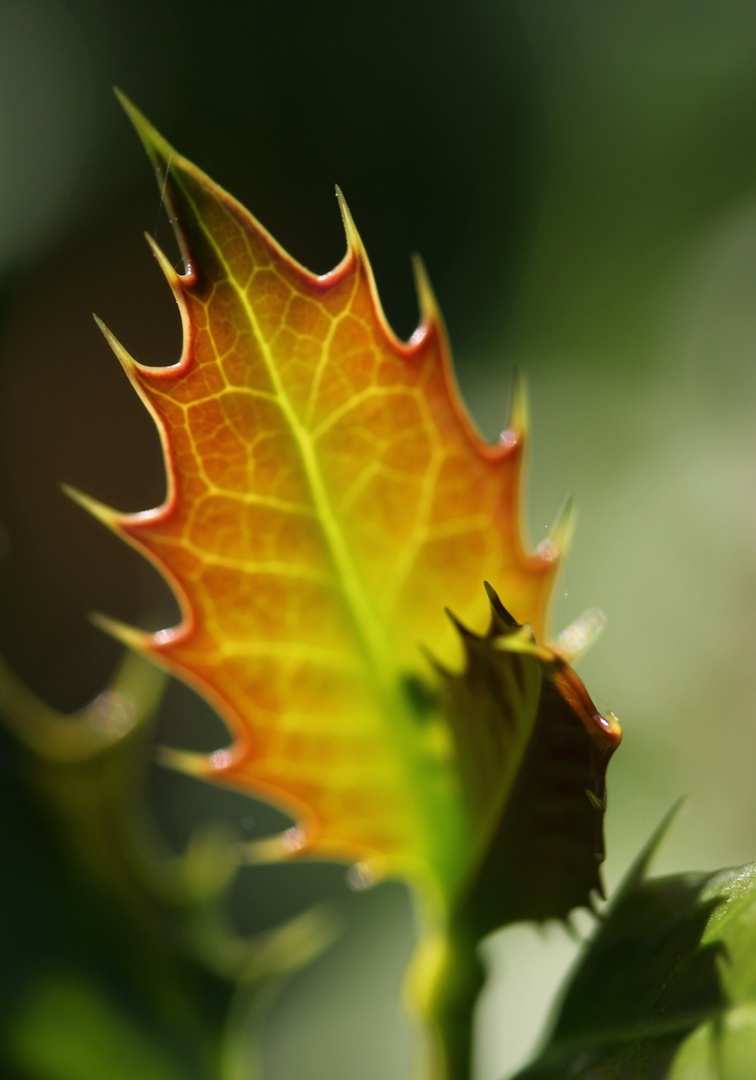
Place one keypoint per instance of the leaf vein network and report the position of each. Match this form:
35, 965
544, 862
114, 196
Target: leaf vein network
361, 608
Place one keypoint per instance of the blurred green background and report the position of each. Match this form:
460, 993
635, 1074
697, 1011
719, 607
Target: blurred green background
581, 182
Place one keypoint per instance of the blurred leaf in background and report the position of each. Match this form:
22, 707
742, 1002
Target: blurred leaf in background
581, 183
118, 956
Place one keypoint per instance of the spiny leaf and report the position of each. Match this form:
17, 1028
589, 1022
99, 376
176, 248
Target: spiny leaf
724, 1046
666, 988
130, 944
533, 750
327, 495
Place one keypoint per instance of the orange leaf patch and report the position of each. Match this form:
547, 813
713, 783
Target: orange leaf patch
327, 497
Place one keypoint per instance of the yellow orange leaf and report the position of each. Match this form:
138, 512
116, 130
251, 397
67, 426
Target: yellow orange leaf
327, 497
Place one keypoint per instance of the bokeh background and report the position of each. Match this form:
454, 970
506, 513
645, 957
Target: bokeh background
581, 182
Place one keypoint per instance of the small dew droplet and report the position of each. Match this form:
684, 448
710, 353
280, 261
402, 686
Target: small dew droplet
360, 877
163, 637
220, 759
548, 551
294, 839
508, 438
609, 723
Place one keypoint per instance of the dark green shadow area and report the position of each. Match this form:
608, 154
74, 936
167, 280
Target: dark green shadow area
92, 986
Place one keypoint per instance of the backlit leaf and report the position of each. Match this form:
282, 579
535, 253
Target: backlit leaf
533, 750
327, 497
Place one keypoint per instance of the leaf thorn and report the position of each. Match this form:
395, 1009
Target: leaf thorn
498, 608
430, 313
563, 528
139, 641
106, 514
354, 240
519, 410
126, 360
171, 273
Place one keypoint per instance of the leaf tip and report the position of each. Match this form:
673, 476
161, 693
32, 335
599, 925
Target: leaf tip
171, 273
464, 631
276, 849
558, 542
430, 313
138, 641
436, 664
156, 146
106, 514
519, 409
126, 360
563, 529
501, 620
639, 868
188, 762
354, 240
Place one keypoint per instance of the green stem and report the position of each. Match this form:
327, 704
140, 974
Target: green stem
445, 979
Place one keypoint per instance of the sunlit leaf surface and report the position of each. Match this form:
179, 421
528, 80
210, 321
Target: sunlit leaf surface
327, 498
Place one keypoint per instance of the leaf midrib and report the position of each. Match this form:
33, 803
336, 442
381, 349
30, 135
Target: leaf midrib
384, 671
362, 611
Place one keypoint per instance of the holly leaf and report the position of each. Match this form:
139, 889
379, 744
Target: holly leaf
533, 751
327, 497
666, 989
723, 1045
118, 954
657, 974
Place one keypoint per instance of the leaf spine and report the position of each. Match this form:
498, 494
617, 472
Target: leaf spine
287, 845
439, 668
563, 528
462, 630
188, 762
163, 158
502, 621
150, 136
430, 313
354, 240
109, 517
172, 275
126, 360
519, 410
139, 641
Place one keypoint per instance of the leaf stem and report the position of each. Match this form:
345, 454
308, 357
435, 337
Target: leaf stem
445, 978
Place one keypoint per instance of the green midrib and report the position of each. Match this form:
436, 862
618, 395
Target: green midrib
363, 614
437, 815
